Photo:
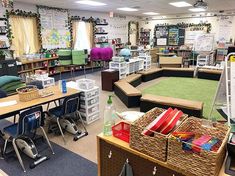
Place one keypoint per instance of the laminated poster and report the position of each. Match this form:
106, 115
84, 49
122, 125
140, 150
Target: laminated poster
54, 28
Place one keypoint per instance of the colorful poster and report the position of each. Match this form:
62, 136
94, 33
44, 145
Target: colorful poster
161, 34
173, 37
54, 28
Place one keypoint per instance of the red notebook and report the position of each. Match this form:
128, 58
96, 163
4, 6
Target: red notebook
172, 119
154, 125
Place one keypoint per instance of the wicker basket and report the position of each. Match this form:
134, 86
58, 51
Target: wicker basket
154, 146
206, 163
30, 95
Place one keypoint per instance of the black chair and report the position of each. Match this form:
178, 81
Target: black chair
69, 107
3, 94
29, 121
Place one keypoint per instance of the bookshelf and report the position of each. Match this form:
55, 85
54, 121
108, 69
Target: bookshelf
145, 37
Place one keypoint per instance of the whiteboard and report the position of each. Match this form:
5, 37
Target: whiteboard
54, 28
191, 36
204, 42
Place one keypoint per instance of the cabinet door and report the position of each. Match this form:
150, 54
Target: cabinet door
113, 158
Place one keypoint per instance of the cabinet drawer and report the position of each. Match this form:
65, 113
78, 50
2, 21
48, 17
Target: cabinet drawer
113, 158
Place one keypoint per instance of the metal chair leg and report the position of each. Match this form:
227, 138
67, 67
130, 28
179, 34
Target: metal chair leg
18, 155
58, 123
48, 142
14, 119
5, 146
80, 117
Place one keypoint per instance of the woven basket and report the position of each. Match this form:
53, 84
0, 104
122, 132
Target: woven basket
30, 95
154, 146
206, 163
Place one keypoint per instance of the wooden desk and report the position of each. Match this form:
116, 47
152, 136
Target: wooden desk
166, 54
39, 101
112, 154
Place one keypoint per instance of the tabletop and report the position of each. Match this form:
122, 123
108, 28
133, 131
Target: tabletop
39, 101
166, 54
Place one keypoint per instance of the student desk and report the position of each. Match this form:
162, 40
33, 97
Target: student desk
112, 153
4, 111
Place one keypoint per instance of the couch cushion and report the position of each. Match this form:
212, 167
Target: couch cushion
170, 101
128, 89
150, 71
7, 79
212, 71
132, 78
179, 69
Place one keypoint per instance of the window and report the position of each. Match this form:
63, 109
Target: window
82, 35
25, 33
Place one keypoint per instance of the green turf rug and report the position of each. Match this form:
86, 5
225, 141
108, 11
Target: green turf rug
187, 88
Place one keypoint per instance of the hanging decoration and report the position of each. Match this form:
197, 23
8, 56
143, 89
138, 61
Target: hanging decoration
22, 14
7, 3
198, 26
130, 31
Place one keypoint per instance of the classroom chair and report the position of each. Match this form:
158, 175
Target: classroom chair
29, 121
68, 109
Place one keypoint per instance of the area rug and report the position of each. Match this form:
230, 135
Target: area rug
189, 89
63, 163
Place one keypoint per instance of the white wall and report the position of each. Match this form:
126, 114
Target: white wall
213, 20
117, 28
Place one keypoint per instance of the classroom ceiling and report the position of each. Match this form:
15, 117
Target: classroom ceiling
159, 6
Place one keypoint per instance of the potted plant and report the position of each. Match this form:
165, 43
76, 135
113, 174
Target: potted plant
2, 55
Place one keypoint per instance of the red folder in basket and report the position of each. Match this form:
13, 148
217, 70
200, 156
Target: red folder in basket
172, 119
154, 125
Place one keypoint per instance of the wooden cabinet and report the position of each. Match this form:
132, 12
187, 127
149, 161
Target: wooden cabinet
108, 78
113, 153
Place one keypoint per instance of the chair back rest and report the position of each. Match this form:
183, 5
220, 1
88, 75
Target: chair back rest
71, 104
3, 94
30, 120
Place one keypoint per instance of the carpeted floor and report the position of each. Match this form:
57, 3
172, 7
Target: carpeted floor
187, 88
63, 163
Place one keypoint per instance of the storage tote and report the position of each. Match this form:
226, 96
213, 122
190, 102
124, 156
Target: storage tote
65, 57
205, 163
78, 57
154, 146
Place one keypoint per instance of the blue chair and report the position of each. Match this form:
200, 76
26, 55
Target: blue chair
3, 94
69, 108
29, 121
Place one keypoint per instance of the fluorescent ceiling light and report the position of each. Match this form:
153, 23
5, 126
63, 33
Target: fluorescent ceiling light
128, 9
180, 4
150, 13
91, 3
197, 10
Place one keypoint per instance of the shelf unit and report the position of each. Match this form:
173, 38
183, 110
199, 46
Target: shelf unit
134, 65
145, 37
102, 39
147, 61
3, 33
101, 33
101, 24
121, 67
89, 105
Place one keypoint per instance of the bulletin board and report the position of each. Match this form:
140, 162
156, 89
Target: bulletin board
161, 35
54, 27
